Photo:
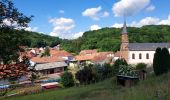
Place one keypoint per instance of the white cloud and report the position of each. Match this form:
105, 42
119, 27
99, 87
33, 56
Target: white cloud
129, 7
165, 21
150, 8
94, 27
95, 13
31, 29
117, 25
61, 11
146, 21
62, 27
79, 34
105, 14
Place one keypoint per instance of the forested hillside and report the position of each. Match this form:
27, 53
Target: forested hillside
31, 39
108, 39
11, 39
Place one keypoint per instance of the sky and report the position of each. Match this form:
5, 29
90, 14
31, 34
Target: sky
69, 19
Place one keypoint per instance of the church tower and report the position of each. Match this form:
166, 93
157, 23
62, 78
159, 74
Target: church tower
124, 43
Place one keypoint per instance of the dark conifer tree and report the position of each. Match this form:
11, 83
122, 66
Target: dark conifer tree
157, 62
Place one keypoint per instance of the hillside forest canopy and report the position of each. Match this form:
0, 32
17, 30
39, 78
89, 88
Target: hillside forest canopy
105, 39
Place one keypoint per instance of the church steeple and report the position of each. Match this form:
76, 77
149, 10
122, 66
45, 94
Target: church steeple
124, 49
124, 31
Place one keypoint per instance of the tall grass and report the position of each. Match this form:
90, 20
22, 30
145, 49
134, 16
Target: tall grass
109, 90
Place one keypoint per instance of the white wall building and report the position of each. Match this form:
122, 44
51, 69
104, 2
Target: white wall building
135, 53
144, 52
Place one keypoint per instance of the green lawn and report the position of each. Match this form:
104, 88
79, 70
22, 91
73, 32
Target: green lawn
108, 90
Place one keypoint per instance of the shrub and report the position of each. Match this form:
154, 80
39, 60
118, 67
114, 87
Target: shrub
108, 71
127, 71
67, 79
85, 75
141, 66
46, 52
117, 64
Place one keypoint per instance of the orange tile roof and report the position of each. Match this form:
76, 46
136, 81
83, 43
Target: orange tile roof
84, 57
47, 59
101, 56
59, 53
94, 57
84, 52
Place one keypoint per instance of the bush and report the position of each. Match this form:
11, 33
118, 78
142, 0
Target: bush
108, 71
67, 79
141, 66
85, 75
117, 64
127, 71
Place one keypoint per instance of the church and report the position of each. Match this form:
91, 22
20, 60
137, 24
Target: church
135, 53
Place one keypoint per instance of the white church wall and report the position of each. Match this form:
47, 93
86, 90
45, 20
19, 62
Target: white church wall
143, 58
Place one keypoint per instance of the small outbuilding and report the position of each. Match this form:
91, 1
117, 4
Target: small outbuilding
127, 81
127, 76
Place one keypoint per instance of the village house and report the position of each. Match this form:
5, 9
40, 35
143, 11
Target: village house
49, 65
94, 57
56, 63
135, 53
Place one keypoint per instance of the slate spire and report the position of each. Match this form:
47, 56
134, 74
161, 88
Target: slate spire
124, 31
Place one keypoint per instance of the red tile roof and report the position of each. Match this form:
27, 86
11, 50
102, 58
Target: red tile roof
84, 57
85, 52
60, 53
100, 56
47, 59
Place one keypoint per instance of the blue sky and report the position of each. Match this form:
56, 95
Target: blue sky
70, 18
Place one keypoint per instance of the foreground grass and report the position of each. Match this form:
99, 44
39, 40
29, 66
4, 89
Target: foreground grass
108, 90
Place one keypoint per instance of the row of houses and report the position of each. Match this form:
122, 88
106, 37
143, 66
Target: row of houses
59, 60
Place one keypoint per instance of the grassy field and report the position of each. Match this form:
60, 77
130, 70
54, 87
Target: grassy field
108, 90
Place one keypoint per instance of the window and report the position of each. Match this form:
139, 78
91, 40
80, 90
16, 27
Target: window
133, 56
140, 56
147, 56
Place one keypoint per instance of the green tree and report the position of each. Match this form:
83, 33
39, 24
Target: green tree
108, 71
141, 66
127, 71
161, 61
165, 58
85, 75
9, 44
67, 79
157, 62
46, 52
10, 13
117, 64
